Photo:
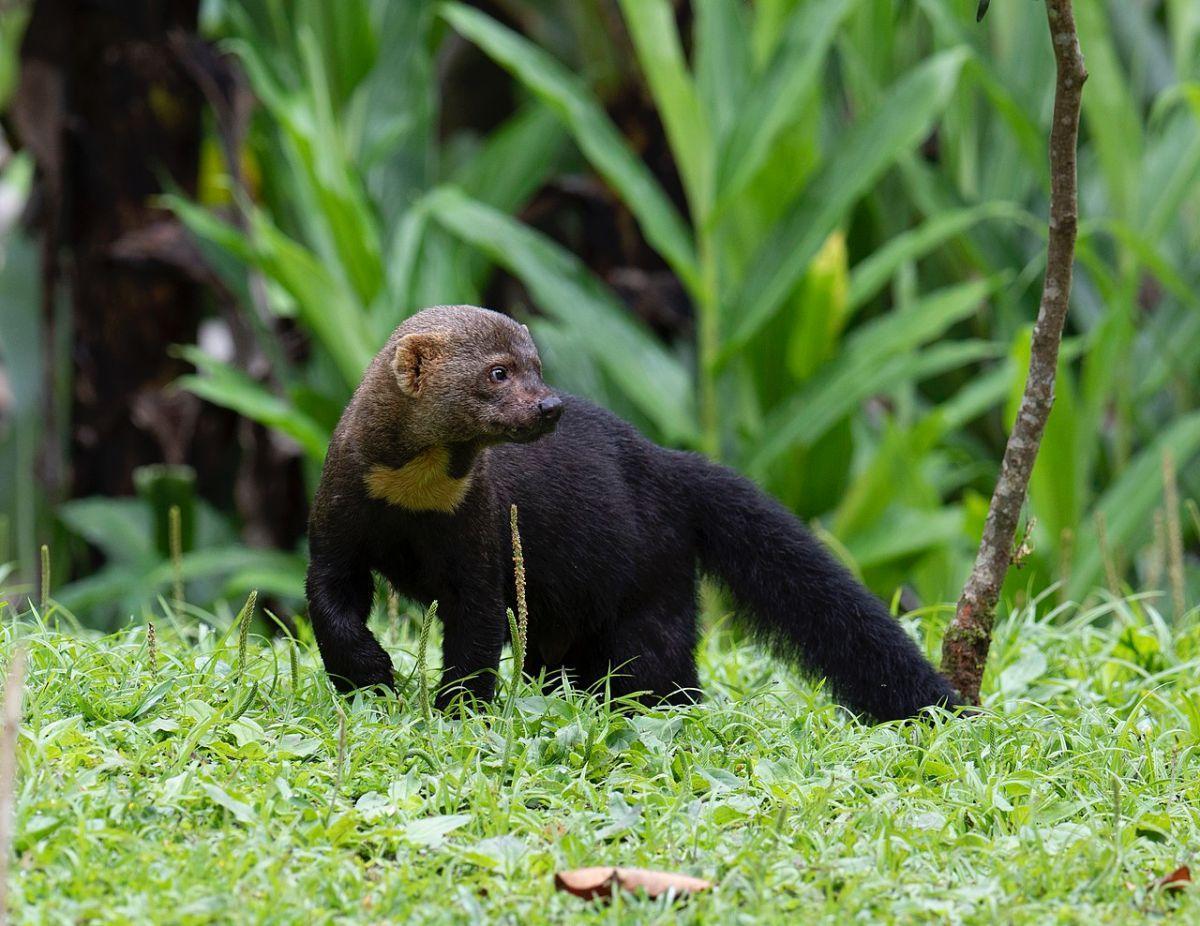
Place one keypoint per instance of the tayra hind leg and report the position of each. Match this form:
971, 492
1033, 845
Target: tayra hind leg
340, 594
650, 654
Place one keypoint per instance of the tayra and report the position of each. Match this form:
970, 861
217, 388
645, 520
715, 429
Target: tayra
452, 423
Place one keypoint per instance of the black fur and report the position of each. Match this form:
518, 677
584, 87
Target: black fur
614, 530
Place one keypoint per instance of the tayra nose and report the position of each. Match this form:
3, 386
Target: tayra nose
550, 409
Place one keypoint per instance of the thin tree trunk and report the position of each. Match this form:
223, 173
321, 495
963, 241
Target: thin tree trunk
965, 647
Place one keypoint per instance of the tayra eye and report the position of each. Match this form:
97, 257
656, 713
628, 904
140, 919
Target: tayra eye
498, 374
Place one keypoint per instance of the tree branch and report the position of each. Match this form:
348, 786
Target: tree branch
965, 647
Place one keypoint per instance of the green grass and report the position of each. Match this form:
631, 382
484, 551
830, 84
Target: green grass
206, 794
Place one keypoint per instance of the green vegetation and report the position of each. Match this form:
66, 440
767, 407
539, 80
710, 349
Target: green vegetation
846, 200
186, 786
849, 196
826, 263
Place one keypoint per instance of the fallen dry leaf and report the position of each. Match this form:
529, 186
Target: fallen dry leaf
599, 882
1177, 880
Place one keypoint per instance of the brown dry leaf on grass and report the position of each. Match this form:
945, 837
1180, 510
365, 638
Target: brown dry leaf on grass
599, 882
1177, 880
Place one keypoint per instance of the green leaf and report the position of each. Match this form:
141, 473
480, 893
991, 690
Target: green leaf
334, 182
877, 357
1129, 502
565, 290
432, 831
821, 310
1110, 112
277, 574
514, 162
241, 811
332, 313
1169, 173
348, 43
230, 388
872, 273
651, 25
399, 110
515, 159
772, 102
901, 120
902, 532
1023, 128
120, 527
592, 130
723, 65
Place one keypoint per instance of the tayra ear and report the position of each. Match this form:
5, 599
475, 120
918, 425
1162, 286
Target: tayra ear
417, 354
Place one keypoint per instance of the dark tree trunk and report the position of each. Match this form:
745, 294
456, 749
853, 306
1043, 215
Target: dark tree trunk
112, 120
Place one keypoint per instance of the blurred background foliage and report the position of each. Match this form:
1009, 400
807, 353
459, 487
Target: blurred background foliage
805, 237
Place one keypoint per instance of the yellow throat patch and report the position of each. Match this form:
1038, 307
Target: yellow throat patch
421, 484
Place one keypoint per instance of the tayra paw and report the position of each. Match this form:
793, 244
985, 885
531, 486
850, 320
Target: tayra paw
364, 667
466, 691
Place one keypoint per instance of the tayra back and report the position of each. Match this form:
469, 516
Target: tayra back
452, 424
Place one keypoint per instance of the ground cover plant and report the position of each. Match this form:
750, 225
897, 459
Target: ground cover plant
801, 236
209, 775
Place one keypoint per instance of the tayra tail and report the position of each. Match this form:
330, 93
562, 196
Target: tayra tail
803, 603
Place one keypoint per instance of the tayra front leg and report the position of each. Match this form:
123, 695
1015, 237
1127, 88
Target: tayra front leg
474, 626
340, 592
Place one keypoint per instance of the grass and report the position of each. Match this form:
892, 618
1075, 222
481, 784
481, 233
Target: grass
216, 792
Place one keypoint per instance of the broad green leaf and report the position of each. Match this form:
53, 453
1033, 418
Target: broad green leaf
772, 102
1110, 113
241, 811
592, 130
330, 312
1128, 504
864, 153
398, 112
120, 527
113, 583
404, 267
1110, 342
983, 393
1168, 174
723, 60
816, 408
565, 290
432, 831
208, 226
514, 161
1023, 128
348, 41
1153, 257
821, 310
888, 477
203, 564
902, 532
877, 357
335, 183
280, 576
871, 274
1184, 30
230, 388
656, 40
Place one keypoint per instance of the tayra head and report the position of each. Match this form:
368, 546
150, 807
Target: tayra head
471, 375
